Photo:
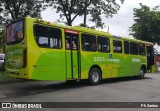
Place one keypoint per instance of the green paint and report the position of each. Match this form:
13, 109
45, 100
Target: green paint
50, 66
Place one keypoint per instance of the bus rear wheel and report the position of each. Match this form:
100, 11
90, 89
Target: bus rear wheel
94, 76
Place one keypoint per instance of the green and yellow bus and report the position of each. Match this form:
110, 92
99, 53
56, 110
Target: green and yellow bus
39, 50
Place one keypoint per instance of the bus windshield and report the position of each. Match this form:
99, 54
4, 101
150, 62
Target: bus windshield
14, 33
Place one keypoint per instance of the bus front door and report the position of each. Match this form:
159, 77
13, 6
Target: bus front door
72, 54
150, 57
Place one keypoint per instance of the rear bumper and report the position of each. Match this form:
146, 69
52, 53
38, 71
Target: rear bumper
17, 73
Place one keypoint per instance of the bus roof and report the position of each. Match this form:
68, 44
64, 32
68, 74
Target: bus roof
86, 30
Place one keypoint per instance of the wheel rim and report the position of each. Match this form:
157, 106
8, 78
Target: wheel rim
95, 76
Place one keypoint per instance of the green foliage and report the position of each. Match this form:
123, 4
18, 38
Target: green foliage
14, 9
147, 24
2, 39
102, 7
70, 9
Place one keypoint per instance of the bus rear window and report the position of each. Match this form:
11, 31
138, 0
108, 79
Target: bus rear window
14, 33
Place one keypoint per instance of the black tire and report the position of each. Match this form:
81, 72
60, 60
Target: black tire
142, 73
94, 76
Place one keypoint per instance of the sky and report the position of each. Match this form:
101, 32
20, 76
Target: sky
119, 24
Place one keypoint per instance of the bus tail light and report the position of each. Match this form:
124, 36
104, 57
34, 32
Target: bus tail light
25, 58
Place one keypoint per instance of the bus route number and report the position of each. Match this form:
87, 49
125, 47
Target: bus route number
99, 58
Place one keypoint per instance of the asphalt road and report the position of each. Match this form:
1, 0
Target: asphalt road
112, 90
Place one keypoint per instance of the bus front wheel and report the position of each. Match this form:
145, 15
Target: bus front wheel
94, 76
142, 73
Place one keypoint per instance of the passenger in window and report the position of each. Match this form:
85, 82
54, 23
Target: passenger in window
67, 46
74, 45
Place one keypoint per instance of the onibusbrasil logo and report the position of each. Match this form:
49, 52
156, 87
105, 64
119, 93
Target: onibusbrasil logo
21, 105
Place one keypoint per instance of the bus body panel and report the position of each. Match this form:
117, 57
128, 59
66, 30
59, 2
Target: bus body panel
49, 66
117, 65
46, 63
126, 65
16, 64
89, 59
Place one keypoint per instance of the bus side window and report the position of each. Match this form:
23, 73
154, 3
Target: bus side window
142, 50
47, 37
103, 44
43, 41
88, 42
117, 46
41, 38
133, 48
57, 38
126, 47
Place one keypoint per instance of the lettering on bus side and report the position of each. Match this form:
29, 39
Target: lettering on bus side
136, 60
102, 59
99, 58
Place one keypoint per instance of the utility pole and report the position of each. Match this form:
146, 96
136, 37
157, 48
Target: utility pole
108, 29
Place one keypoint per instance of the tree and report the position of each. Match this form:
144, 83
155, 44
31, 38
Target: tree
147, 24
14, 9
2, 38
71, 9
11, 10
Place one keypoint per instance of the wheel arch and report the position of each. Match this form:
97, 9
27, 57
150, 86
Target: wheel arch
95, 66
144, 68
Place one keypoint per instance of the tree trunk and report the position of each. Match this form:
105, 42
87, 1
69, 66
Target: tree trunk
85, 17
69, 22
85, 13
